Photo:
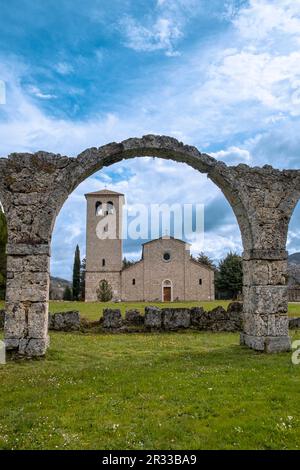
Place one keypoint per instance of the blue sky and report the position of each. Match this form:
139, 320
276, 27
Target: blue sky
221, 75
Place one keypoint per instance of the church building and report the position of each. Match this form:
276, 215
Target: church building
165, 273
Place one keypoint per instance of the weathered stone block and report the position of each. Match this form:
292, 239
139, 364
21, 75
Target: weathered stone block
28, 287
64, 321
217, 314
198, 317
265, 299
153, 318
235, 307
267, 344
112, 318
133, 317
265, 325
253, 342
15, 320
265, 273
37, 317
294, 323
28, 263
235, 314
12, 343
265, 254
277, 344
176, 318
33, 347
27, 249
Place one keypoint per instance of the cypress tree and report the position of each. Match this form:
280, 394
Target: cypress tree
76, 274
82, 279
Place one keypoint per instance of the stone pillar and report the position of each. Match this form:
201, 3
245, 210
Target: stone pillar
265, 325
27, 293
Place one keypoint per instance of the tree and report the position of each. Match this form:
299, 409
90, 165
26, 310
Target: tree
229, 278
3, 241
204, 259
76, 274
68, 294
82, 279
128, 262
104, 291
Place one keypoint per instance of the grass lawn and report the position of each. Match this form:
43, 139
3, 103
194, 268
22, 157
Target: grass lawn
191, 390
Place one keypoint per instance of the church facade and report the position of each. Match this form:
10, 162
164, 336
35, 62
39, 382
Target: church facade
165, 273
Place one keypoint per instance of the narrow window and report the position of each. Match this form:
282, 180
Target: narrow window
105, 228
110, 207
200, 282
133, 282
98, 208
103, 262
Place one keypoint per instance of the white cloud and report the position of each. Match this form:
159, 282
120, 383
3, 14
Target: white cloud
233, 155
162, 30
263, 20
162, 35
34, 90
64, 68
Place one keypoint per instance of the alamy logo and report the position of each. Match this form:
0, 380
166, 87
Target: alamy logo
141, 222
296, 353
2, 92
2, 353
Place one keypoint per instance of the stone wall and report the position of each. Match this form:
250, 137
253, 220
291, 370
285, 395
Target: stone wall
174, 319
64, 321
155, 319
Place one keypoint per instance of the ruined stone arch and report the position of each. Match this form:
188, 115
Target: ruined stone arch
35, 186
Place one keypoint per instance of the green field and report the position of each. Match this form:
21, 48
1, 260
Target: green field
189, 390
94, 310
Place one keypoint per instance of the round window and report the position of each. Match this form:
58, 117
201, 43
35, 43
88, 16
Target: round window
166, 256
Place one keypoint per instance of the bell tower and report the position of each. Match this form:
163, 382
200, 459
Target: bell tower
103, 242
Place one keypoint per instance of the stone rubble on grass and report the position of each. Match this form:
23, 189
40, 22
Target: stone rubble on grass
134, 318
294, 323
153, 318
176, 318
64, 321
112, 318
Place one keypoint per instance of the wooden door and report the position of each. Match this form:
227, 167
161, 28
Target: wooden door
167, 294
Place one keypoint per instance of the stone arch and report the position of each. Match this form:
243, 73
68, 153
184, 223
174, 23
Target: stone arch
35, 186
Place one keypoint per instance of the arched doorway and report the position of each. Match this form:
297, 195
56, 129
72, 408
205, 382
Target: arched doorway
35, 186
167, 291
